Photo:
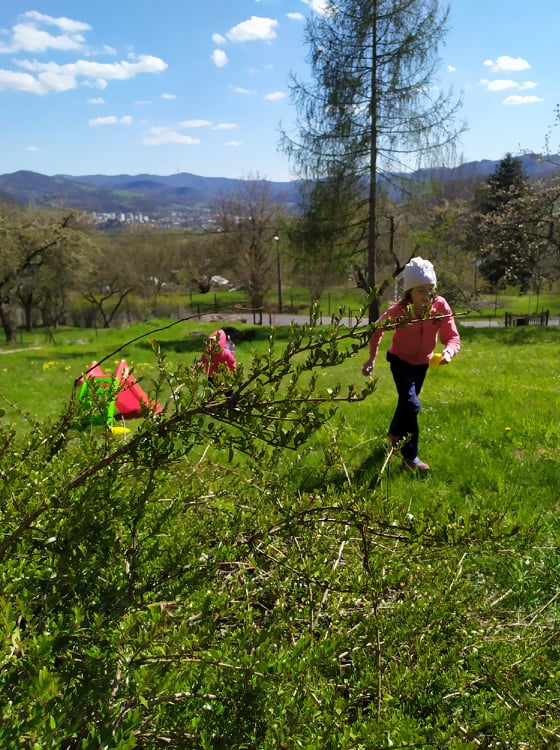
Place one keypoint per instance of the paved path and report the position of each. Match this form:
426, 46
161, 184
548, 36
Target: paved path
286, 320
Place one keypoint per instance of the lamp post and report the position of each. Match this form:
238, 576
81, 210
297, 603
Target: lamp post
276, 239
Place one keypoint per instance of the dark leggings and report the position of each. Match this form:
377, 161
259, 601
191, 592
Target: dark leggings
408, 380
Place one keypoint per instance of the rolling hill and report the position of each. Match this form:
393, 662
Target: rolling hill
142, 193
157, 195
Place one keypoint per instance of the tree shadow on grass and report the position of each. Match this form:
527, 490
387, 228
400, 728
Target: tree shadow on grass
364, 476
367, 473
194, 341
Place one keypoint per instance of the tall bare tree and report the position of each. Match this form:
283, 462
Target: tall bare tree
201, 257
248, 218
373, 107
111, 278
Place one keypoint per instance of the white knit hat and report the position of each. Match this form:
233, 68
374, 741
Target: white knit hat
418, 272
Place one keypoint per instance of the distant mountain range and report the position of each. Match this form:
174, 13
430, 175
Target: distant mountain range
142, 193
159, 195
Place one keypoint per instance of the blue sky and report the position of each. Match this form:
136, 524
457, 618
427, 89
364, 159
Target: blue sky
130, 87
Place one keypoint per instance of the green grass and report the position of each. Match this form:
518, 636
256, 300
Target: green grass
490, 421
490, 306
490, 425
296, 301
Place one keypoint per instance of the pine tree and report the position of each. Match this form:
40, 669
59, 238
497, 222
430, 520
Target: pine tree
502, 242
371, 109
508, 181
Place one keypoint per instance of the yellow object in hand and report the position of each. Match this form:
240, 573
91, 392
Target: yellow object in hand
435, 360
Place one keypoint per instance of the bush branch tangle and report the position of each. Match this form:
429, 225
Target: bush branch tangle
183, 588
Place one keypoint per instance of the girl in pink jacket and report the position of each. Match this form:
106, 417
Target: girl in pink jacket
410, 351
219, 353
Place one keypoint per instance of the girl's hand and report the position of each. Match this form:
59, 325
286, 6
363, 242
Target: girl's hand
367, 367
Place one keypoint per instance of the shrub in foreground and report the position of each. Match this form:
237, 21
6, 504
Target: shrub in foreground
175, 589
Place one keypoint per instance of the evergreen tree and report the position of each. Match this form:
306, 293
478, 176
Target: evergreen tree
502, 243
508, 181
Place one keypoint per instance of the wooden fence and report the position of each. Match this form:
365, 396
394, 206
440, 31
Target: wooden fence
536, 319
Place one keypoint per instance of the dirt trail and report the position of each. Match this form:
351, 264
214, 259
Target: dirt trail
23, 349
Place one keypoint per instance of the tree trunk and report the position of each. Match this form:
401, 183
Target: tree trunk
372, 204
9, 323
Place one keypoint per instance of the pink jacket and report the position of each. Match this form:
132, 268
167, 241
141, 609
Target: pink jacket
415, 342
212, 358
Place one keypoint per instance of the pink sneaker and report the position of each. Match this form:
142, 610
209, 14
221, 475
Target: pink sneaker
414, 464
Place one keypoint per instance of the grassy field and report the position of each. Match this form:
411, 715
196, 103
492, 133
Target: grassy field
489, 424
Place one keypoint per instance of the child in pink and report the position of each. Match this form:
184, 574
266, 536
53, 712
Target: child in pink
219, 352
424, 317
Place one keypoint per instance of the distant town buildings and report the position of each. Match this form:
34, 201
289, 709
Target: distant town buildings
196, 218
120, 218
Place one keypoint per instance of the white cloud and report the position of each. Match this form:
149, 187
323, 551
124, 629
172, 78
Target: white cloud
10, 80
96, 100
451, 69
295, 16
239, 90
233, 143
253, 30
507, 64
168, 96
52, 77
219, 58
98, 121
162, 136
64, 24
109, 120
37, 33
27, 36
56, 79
218, 39
32, 149
119, 71
98, 83
224, 126
195, 124
275, 96
499, 85
516, 99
